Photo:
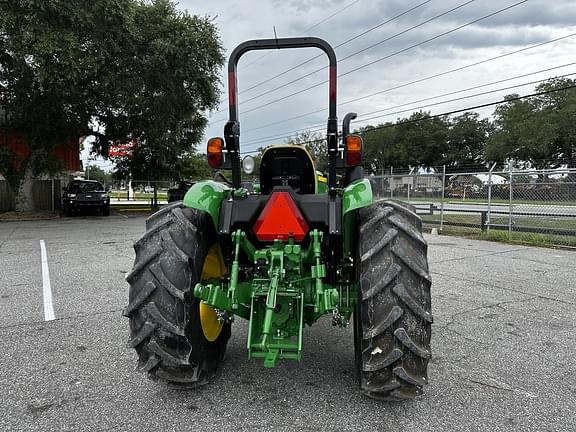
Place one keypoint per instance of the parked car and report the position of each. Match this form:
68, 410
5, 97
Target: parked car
177, 193
85, 194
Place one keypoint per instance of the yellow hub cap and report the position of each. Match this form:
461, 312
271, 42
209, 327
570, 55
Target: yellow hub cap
211, 327
214, 267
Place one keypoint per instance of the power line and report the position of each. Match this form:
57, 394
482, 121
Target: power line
435, 37
307, 30
362, 50
304, 31
388, 56
319, 127
321, 55
353, 54
420, 80
448, 113
465, 97
460, 68
407, 11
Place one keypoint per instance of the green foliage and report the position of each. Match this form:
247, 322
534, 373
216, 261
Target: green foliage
424, 138
114, 69
419, 140
539, 130
315, 143
467, 136
94, 172
382, 147
47, 67
192, 166
167, 81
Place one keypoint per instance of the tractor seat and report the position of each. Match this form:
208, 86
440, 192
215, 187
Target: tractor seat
287, 166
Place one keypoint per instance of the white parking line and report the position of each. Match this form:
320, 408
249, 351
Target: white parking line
48, 306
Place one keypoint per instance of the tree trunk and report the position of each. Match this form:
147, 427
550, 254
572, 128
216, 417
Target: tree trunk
24, 200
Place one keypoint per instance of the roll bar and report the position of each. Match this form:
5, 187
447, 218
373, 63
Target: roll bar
232, 128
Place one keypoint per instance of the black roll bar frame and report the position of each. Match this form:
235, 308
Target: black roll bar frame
232, 128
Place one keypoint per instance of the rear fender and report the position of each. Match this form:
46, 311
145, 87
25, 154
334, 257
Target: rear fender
207, 196
356, 195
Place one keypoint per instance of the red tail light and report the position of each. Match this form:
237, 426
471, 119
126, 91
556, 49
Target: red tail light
353, 150
214, 152
280, 219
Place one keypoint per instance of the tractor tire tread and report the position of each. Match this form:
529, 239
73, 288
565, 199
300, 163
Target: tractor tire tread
150, 234
157, 348
395, 313
158, 217
409, 229
382, 283
158, 273
154, 313
383, 362
161, 307
400, 290
140, 298
187, 380
139, 336
394, 305
141, 265
387, 238
382, 213
405, 338
149, 364
169, 243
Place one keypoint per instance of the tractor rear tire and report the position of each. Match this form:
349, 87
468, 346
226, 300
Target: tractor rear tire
165, 325
392, 322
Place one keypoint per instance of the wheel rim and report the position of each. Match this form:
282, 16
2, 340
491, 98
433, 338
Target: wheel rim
214, 268
211, 326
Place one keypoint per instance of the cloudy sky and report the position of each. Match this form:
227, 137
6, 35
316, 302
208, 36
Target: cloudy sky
403, 51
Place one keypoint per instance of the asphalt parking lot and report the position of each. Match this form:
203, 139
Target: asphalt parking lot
503, 345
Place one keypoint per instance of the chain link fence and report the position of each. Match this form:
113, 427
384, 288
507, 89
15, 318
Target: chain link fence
535, 206
143, 191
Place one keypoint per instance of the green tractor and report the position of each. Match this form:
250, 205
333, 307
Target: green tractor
299, 248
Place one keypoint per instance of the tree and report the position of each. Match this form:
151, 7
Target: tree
382, 147
193, 166
424, 139
467, 138
94, 172
418, 140
168, 82
539, 130
315, 143
49, 58
114, 69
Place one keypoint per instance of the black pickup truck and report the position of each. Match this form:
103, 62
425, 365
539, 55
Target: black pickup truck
85, 194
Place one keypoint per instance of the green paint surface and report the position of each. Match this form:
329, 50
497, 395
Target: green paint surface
207, 196
356, 195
